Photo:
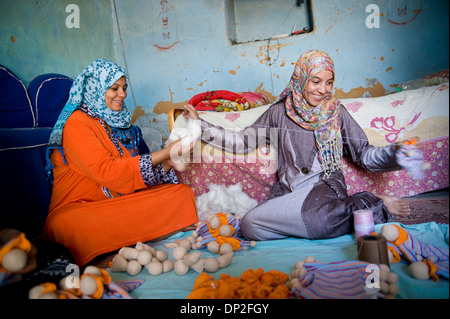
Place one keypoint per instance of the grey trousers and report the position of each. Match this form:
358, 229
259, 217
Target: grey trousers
276, 218
321, 211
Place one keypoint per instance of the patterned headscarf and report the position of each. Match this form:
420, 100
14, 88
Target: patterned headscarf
323, 118
89, 89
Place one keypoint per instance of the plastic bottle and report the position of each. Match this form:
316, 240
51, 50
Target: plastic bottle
411, 85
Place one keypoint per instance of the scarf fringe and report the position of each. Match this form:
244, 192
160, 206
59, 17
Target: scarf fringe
330, 156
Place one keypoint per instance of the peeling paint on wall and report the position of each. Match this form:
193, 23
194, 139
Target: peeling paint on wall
334, 22
165, 106
267, 94
374, 90
138, 111
272, 50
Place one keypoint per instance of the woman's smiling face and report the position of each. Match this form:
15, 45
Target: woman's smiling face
116, 94
318, 87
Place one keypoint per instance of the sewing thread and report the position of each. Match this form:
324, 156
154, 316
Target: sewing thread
363, 222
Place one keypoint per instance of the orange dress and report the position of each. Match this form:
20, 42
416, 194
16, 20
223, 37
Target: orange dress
86, 213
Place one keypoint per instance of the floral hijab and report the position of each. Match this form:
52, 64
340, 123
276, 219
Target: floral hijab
89, 90
322, 119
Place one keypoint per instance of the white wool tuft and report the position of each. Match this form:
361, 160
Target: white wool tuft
224, 199
189, 134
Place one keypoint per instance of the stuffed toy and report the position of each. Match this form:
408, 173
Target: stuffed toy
426, 261
341, 280
133, 260
411, 159
186, 260
13, 255
95, 283
220, 234
48, 290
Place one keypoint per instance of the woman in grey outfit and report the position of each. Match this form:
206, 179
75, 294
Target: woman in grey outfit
313, 132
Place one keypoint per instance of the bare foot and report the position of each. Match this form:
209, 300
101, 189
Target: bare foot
396, 206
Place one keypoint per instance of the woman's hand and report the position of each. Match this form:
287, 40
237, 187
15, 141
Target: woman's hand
410, 141
190, 112
176, 152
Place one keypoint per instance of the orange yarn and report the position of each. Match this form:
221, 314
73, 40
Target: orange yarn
432, 269
253, 284
402, 236
412, 141
51, 287
396, 256
231, 240
101, 281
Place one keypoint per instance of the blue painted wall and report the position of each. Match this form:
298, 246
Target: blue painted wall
35, 39
174, 49
168, 69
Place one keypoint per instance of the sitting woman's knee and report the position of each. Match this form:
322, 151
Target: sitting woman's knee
248, 228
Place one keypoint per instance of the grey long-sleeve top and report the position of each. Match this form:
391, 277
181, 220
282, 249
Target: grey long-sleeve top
297, 150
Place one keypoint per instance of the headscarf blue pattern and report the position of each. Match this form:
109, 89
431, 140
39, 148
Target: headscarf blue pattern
89, 88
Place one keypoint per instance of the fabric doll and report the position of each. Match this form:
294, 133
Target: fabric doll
404, 247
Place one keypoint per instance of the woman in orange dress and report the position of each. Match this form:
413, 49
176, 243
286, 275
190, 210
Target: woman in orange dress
109, 191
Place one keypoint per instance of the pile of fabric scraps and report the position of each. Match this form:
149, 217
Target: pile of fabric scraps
220, 234
411, 158
227, 101
253, 284
425, 261
95, 283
